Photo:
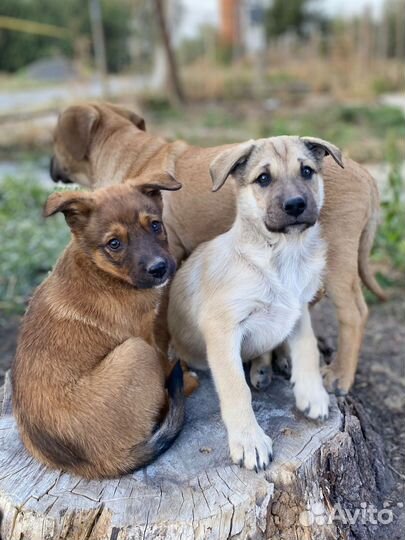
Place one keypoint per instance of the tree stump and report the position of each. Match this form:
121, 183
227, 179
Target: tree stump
193, 490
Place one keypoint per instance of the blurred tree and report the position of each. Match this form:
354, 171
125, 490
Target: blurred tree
174, 77
144, 35
117, 25
19, 49
97, 30
394, 13
295, 16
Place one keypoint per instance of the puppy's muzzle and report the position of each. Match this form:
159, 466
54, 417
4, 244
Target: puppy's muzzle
155, 273
293, 214
56, 173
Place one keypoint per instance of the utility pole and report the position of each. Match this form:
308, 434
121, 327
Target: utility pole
177, 89
97, 31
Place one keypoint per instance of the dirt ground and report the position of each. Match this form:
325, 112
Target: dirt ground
379, 386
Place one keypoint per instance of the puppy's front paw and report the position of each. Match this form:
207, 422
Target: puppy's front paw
260, 375
311, 398
251, 448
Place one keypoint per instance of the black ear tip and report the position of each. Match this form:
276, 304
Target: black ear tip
337, 156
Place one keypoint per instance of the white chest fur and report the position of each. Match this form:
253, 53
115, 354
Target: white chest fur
287, 280
238, 282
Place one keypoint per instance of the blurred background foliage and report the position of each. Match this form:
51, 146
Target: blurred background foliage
258, 68
299, 16
124, 20
390, 240
19, 49
30, 245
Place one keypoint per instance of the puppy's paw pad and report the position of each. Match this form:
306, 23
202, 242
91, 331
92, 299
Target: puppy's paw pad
260, 376
251, 449
312, 400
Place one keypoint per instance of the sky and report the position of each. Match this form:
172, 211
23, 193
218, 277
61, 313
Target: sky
197, 12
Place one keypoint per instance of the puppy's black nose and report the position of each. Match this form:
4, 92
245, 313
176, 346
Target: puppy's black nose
157, 269
295, 206
57, 173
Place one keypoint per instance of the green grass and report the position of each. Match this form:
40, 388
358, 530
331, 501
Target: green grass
159, 107
385, 85
390, 241
221, 119
30, 244
377, 118
360, 130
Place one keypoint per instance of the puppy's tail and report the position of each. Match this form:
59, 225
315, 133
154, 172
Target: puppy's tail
166, 432
366, 243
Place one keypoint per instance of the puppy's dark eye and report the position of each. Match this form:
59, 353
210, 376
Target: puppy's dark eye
114, 244
156, 227
307, 172
263, 179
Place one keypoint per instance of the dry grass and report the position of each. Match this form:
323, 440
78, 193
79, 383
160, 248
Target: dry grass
342, 77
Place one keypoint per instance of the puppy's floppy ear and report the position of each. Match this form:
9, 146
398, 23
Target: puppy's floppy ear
320, 148
76, 126
228, 161
75, 205
153, 183
132, 116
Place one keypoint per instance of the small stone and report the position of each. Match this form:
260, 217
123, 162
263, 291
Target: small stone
205, 450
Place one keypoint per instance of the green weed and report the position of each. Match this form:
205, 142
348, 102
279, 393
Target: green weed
30, 245
390, 241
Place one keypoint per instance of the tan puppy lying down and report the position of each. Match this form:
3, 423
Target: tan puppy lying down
245, 292
88, 381
97, 142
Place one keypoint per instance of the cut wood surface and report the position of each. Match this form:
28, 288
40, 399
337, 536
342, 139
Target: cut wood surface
193, 490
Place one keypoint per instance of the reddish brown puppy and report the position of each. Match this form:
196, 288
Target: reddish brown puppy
88, 381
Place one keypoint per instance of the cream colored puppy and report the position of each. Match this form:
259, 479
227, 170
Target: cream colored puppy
245, 292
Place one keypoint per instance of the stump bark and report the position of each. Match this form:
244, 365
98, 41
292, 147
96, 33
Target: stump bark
193, 490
